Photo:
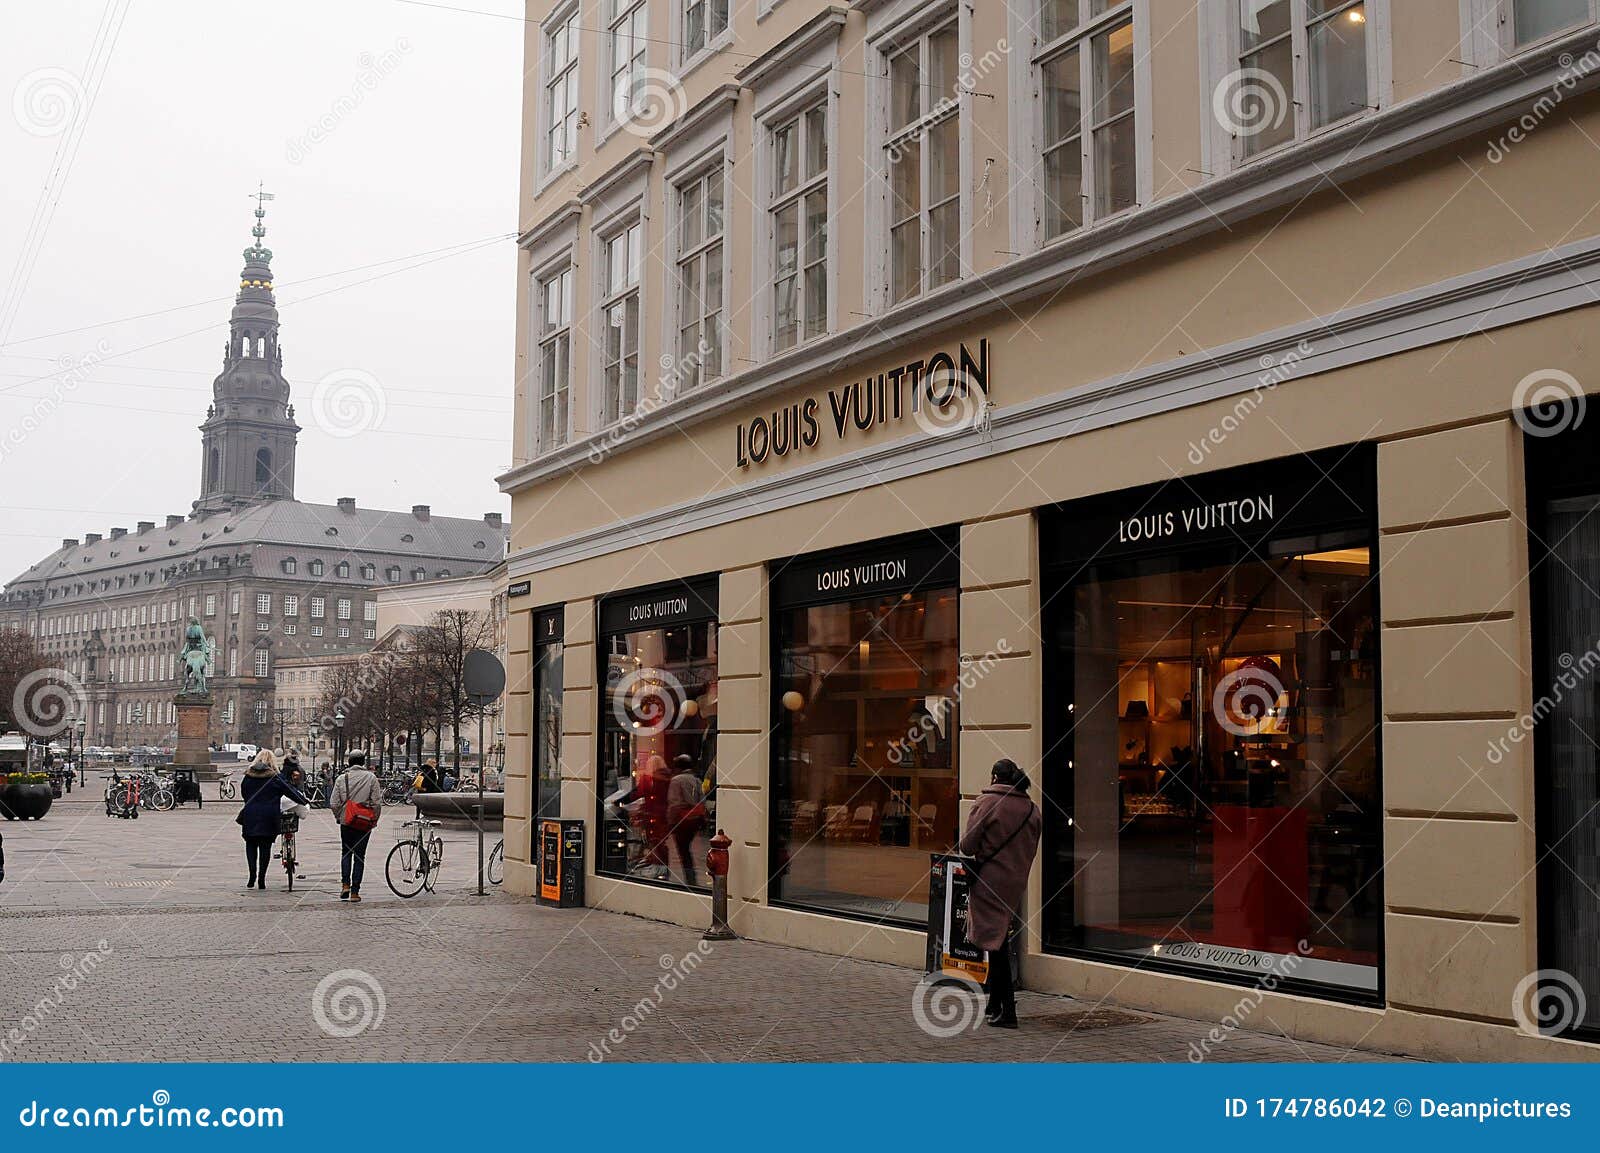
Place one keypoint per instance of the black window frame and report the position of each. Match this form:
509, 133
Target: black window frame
1062, 569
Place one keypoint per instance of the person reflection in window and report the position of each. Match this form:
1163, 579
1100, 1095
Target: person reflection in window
685, 812
650, 791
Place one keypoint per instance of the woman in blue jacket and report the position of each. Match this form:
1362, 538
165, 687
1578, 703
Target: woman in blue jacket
258, 819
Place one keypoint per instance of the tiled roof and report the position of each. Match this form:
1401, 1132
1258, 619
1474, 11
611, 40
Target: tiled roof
288, 523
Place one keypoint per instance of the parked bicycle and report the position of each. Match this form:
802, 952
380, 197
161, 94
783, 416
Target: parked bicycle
496, 868
227, 789
413, 864
156, 792
122, 797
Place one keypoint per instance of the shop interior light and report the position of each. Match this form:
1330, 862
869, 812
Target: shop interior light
1356, 16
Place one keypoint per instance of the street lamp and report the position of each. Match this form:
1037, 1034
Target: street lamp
338, 740
83, 758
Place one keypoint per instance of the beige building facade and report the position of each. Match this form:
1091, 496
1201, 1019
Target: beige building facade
1183, 401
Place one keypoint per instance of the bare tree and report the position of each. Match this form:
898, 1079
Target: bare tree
19, 656
443, 645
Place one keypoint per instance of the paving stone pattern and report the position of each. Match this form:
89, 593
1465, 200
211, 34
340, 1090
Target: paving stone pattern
194, 968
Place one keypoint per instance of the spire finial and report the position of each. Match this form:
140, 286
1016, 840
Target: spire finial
261, 196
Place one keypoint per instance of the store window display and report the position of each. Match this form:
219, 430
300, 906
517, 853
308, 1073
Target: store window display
1213, 784
867, 683
658, 723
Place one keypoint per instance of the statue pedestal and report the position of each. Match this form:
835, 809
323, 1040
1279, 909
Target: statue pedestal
194, 731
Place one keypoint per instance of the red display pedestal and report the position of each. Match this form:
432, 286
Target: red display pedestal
1259, 869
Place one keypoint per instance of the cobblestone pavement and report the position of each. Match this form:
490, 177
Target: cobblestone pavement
136, 940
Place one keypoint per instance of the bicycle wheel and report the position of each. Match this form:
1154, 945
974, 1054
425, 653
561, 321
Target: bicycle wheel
165, 801
497, 862
406, 869
433, 861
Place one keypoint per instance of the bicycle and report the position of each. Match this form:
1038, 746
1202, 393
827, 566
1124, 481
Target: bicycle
413, 864
288, 826
155, 792
227, 790
122, 797
496, 868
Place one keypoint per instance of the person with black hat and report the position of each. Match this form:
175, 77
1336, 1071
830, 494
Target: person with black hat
1002, 838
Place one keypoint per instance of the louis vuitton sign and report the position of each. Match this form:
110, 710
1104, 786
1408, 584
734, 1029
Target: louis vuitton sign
944, 392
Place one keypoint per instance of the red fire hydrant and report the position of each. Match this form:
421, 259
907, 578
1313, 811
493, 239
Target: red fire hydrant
717, 866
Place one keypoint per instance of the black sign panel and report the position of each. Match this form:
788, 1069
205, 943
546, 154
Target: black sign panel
898, 564
1293, 500
549, 626
652, 608
519, 588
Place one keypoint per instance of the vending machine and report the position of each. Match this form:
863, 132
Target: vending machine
561, 863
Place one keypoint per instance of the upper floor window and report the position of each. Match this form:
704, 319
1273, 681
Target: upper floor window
1533, 20
233, 603
291, 605
263, 604
342, 569
700, 272
319, 608
1086, 77
392, 574
419, 574
1301, 65
629, 37
261, 663
343, 608
922, 157
369, 610
211, 604
619, 320
369, 572
561, 90
799, 223
554, 334
703, 22
316, 568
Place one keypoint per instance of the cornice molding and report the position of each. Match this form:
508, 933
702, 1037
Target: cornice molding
714, 103
1511, 293
792, 47
618, 174
570, 211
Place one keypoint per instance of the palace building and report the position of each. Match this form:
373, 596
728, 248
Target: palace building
268, 576
1184, 401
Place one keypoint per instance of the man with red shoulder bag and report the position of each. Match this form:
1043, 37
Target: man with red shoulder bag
356, 803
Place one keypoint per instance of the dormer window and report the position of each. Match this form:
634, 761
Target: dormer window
316, 568
342, 569
290, 565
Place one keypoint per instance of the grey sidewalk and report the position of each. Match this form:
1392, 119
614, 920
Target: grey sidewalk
195, 968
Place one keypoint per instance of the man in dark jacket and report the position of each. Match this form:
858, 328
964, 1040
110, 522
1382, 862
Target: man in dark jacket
1002, 838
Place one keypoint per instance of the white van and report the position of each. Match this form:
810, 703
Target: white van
242, 752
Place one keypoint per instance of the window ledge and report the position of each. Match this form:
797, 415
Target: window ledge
714, 48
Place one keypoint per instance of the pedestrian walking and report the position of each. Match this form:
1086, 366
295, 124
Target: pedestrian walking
356, 802
263, 788
1002, 838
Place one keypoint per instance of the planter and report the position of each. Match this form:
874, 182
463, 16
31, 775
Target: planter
25, 802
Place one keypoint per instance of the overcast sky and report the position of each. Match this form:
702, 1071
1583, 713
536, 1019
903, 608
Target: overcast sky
387, 130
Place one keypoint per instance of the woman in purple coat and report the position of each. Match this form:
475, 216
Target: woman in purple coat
1002, 837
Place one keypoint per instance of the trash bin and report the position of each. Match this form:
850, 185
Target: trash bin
561, 864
